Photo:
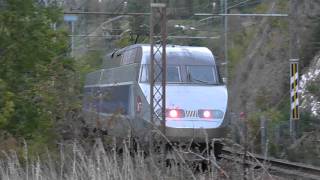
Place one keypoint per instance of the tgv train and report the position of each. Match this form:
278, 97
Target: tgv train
117, 97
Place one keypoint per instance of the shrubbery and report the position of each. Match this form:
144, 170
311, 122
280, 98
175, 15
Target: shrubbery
36, 76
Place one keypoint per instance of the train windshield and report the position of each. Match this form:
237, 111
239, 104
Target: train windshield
201, 74
188, 74
173, 74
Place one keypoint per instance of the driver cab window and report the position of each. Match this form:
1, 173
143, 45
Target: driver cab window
201, 74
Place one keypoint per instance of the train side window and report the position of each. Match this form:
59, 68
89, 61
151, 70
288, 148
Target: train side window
129, 56
220, 80
144, 74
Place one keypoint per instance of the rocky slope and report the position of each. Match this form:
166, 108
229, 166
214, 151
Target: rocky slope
310, 88
261, 78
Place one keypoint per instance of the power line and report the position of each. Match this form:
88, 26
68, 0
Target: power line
86, 35
257, 15
234, 5
246, 15
106, 13
169, 37
228, 8
172, 35
113, 13
193, 37
240, 3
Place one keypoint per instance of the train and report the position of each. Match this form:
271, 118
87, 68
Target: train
117, 96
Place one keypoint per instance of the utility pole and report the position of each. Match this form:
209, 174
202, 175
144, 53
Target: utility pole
158, 67
294, 97
243, 119
72, 39
264, 136
226, 39
158, 72
222, 8
294, 72
71, 18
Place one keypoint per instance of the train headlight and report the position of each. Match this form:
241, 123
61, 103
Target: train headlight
210, 114
207, 114
175, 113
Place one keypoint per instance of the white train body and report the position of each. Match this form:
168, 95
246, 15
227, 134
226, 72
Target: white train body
117, 97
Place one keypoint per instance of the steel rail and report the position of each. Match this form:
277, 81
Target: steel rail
275, 165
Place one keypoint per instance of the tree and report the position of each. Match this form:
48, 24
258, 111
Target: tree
34, 69
138, 24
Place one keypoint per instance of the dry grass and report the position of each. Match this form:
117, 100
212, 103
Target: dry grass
78, 161
99, 163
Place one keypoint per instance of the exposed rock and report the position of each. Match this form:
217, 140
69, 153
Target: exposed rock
310, 88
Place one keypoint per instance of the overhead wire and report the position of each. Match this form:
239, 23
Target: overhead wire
225, 32
228, 8
83, 37
229, 31
236, 4
175, 33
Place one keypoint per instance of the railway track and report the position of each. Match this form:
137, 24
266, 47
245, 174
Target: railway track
272, 165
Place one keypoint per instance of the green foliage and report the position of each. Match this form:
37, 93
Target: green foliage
241, 41
263, 98
139, 29
275, 118
314, 88
88, 63
138, 23
308, 122
259, 8
310, 49
280, 24
283, 5
235, 54
127, 40
6, 104
272, 115
278, 122
35, 75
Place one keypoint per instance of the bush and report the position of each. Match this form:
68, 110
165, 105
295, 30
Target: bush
314, 88
36, 76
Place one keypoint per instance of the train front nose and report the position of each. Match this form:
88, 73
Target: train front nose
197, 130
197, 135
195, 112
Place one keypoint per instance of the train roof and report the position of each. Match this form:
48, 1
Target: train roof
169, 48
176, 54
